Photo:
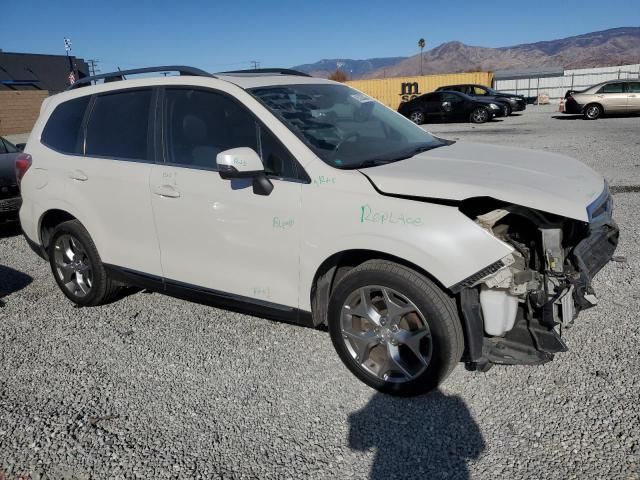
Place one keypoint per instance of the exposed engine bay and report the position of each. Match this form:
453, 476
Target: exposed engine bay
520, 305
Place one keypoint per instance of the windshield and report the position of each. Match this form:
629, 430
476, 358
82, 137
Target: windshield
344, 127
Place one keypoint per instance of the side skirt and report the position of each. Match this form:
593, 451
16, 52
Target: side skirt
213, 298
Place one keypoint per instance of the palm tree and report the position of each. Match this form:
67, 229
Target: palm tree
421, 45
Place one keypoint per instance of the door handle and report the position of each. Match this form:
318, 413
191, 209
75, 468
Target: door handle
632, 96
78, 175
166, 191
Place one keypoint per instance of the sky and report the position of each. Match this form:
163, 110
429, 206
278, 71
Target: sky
223, 35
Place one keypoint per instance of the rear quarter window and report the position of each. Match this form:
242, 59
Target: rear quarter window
63, 131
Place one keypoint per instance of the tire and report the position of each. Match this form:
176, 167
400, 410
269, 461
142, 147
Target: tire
417, 117
77, 267
507, 110
430, 323
480, 115
592, 111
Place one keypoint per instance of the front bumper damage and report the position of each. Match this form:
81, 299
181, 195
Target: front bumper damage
546, 301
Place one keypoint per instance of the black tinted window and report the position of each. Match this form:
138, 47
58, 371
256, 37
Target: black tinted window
119, 125
202, 124
612, 88
276, 159
63, 129
3, 149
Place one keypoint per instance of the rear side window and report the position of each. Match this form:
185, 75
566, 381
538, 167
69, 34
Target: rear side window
119, 126
63, 131
634, 87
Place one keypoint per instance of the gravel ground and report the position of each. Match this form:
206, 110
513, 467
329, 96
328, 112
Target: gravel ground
154, 387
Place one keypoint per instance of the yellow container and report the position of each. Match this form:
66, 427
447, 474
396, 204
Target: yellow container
393, 91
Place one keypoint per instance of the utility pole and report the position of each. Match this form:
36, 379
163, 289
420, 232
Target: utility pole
255, 64
93, 67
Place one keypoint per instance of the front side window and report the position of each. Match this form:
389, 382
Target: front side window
63, 131
479, 91
612, 88
119, 126
451, 98
344, 127
200, 124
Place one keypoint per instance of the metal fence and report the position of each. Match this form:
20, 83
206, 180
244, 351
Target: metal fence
557, 86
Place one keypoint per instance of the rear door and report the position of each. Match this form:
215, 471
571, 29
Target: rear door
633, 97
431, 106
613, 97
109, 184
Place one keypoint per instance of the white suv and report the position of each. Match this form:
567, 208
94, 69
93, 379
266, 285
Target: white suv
297, 198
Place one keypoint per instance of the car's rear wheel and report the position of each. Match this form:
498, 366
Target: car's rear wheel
480, 115
77, 267
394, 328
417, 117
592, 111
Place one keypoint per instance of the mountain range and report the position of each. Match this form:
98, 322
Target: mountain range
616, 46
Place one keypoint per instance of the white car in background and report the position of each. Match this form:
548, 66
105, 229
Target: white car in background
297, 198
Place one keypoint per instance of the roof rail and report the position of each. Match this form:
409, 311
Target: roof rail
120, 74
263, 71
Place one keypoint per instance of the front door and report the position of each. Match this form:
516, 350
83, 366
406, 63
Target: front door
215, 233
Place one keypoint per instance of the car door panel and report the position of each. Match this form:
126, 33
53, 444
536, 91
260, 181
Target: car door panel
633, 97
216, 233
109, 184
613, 98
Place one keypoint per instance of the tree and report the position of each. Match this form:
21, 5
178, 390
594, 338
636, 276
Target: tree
338, 76
421, 44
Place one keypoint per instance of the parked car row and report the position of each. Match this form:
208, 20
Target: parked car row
473, 103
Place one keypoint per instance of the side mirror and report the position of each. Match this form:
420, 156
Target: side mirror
244, 162
446, 106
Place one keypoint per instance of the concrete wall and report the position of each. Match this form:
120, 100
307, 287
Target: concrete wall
393, 91
19, 110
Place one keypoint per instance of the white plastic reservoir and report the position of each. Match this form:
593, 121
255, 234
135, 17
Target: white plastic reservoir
499, 310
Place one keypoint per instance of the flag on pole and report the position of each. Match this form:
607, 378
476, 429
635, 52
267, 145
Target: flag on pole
72, 75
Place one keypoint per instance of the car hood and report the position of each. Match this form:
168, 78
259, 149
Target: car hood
543, 181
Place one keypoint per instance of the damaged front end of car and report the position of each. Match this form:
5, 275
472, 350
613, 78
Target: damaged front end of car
514, 311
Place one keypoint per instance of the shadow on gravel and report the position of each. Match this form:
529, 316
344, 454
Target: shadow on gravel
10, 229
12, 281
433, 436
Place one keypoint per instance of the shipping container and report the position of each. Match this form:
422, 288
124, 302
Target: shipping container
393, 91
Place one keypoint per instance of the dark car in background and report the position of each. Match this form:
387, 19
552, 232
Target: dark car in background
10, 200
450, 106
515, 103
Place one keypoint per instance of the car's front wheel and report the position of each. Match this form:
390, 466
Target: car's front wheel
394, 328
480, 115
77, 267
417, 117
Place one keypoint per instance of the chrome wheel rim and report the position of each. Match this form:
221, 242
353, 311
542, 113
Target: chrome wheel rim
386, 334
593, 112
73, 266
480, 115
416, 117
506, 111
